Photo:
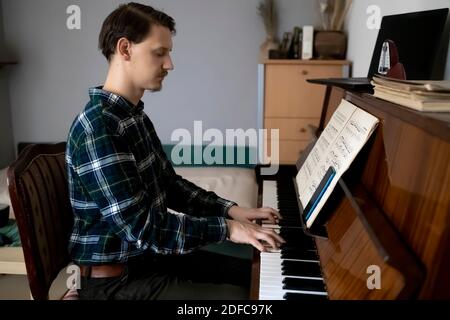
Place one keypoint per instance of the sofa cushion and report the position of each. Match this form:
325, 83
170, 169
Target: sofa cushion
235, 184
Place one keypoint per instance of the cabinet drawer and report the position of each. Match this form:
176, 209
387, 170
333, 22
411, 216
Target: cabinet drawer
292, 129
287, 94
289, 150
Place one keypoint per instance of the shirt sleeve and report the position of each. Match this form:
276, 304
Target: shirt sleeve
185, 196
108, 172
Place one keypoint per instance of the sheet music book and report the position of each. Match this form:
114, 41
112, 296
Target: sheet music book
433, 96
346, 133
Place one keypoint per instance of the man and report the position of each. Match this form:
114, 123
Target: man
127, 244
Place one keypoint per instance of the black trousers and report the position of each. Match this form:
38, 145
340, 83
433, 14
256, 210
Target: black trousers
200, 275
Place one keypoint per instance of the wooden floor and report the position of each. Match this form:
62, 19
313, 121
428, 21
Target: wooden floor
15, 287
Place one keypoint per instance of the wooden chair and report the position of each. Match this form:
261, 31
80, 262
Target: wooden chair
37, 183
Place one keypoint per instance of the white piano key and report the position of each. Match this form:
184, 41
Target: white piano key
269, 196
271, 278
270, 226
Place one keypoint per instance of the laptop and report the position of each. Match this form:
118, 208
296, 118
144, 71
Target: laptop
418, 40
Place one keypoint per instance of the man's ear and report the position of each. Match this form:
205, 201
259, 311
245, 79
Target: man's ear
124, 48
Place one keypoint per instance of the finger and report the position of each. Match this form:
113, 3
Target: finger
274, 235
278, 238
253, 223
267, 238
272, 250
258, 245
268, 215
272, 211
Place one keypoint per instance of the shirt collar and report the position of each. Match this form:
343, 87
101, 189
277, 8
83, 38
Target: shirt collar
98, 94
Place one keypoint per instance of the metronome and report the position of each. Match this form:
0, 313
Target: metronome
390, 65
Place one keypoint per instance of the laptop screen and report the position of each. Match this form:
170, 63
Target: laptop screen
418, 37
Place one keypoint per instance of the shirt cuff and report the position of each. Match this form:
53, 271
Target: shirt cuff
225, 206
217, 229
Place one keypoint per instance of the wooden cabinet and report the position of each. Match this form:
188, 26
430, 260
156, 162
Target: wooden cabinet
291, 104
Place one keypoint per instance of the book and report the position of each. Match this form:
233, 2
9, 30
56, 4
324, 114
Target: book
413, 85
340, 142
429, 96
307, 42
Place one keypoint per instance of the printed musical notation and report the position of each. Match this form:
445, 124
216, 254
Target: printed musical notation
346, 133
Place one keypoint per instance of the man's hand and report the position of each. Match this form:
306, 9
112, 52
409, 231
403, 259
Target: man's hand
249, 215
251, 233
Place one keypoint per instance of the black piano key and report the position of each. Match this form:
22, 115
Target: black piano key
301, 244
302, 296
298, 246
298, 232
288, 209
289, 222
295, 234
301, 268
300, 255
288, 203
284, 223
303, 284
294, 231
298, 241
285, 248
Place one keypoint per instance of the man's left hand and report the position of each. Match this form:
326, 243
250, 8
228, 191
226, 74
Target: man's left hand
251, 214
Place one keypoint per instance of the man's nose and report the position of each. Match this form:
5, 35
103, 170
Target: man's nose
168, 64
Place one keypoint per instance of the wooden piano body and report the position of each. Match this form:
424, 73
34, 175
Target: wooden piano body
392, 212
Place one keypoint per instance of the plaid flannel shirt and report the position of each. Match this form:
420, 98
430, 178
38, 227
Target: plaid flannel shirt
121, 185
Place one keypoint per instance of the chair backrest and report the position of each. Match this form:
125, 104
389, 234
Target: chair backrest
37, 183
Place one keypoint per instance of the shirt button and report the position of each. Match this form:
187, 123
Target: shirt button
139, 244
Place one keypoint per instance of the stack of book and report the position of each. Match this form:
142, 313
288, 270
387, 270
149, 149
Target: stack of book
430, 96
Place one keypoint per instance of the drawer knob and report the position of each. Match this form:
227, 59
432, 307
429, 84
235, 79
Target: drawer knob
305, 72
302, 130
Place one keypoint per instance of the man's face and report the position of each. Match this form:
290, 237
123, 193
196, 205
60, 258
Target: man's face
150, 59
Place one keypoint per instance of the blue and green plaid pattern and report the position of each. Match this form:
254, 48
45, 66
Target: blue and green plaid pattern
121, 185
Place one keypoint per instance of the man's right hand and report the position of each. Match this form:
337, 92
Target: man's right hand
251, 233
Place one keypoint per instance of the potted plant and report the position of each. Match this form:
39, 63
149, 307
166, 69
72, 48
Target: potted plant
331, 42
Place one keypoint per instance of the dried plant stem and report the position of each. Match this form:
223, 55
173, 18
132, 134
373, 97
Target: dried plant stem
339, 6
340, 22
267, 11
333, 12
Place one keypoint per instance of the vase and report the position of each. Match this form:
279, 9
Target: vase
269, 44
330, 44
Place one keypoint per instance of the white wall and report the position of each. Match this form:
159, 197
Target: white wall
6, 137
215, 54
362, 40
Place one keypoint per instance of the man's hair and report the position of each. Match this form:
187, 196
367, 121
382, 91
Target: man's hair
133, 21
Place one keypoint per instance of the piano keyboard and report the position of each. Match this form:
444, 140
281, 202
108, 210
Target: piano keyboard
293, 272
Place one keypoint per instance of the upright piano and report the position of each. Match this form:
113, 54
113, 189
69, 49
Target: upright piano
386, 233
